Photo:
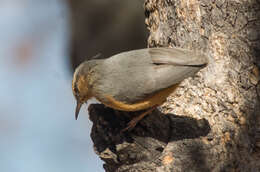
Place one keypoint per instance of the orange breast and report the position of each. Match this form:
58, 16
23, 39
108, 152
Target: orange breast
153, 100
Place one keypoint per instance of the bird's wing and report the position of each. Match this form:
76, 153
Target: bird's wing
175, 65
177, 57
134, 75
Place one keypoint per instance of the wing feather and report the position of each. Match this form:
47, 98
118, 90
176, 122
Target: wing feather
134, 75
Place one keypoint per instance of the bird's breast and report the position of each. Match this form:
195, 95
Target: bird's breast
156, 99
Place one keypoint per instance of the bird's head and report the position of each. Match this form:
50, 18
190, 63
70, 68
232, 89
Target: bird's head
80, 86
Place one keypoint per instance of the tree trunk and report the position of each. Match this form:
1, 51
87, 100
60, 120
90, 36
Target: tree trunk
212, 121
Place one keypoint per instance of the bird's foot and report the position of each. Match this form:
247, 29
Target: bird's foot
136, 119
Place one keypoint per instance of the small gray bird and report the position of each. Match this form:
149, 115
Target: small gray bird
135, 80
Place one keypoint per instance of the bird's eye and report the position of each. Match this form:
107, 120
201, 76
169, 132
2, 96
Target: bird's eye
76, 91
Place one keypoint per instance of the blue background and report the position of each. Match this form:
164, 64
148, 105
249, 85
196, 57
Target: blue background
37, 127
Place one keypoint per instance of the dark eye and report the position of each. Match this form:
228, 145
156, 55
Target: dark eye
76, 91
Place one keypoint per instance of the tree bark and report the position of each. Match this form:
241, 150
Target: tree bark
212, 121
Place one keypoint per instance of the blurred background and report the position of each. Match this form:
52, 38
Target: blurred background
41, 42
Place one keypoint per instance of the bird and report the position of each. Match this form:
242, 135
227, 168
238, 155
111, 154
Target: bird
135, 80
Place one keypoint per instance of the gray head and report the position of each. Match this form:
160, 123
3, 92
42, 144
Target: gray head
80, 84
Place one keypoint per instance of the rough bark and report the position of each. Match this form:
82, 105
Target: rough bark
212, 122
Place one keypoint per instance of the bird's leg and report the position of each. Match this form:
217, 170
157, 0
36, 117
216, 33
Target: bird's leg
136, 119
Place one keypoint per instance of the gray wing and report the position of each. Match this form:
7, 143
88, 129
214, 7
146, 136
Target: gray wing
175, 65
134, 75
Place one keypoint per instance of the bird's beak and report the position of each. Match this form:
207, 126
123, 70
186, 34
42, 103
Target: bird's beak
77, 109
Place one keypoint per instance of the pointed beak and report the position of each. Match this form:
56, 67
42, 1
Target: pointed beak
77, 109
